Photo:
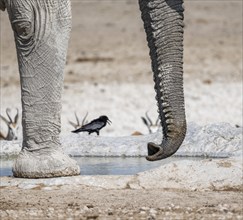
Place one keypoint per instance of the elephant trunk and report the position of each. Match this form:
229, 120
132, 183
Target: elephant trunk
163, 23
41, 29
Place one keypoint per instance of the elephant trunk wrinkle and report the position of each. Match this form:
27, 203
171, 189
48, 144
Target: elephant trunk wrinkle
163, 23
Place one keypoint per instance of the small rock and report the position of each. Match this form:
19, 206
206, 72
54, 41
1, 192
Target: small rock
90, 206
142, 213
51, 209
144, 209
153, 213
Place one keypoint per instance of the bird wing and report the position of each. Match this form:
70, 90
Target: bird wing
93, 125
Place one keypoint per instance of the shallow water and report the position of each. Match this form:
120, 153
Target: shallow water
105, 165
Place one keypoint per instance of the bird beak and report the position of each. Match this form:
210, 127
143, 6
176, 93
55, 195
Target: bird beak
109, 121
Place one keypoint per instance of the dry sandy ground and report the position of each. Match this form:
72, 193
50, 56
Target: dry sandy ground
94, 203
108, 51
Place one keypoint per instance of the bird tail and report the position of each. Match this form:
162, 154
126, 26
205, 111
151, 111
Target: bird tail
78, 130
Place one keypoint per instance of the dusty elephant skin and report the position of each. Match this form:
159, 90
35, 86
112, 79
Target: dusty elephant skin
212, 29
41, 30
163, 22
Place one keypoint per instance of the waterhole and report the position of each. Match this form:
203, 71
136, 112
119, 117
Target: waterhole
105, 165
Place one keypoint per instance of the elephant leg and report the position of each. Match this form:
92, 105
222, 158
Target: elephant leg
41, 29
163, 23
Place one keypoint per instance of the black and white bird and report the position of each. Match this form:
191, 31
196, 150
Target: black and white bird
94, 126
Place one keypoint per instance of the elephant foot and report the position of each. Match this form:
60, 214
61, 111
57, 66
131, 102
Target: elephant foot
155, 152
44, 165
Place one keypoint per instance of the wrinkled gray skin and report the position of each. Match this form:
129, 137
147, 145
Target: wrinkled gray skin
163, 23
41, 29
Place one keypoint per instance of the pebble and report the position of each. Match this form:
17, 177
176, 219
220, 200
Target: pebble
153, 213
142, 213
51, 209
223, 208
90, 206
144, 209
